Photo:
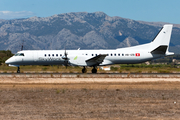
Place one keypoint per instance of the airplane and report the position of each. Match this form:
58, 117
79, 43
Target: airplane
157, 48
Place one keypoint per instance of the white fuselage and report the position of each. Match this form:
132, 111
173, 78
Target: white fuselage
79, 57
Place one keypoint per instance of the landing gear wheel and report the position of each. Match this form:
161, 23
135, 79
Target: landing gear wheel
84, 70
94, 70
18, 70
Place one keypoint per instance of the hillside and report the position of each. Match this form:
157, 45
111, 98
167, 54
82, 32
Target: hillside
79, 30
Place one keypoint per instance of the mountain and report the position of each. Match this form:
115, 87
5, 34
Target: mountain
79, 30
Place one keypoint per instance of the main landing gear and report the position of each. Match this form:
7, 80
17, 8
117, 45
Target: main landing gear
84, 70
94, 70
18, 70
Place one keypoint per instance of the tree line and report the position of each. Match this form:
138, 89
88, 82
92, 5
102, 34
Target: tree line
4, 55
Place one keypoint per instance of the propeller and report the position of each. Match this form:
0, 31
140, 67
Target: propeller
65, 54
66, 59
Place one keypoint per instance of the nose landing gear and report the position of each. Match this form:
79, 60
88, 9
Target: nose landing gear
18, 70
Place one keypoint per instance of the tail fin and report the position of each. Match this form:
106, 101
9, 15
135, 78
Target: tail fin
160, 44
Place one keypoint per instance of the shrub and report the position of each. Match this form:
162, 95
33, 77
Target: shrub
114, 68
44, 69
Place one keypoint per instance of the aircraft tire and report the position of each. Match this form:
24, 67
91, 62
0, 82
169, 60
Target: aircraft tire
84, 70
94, 70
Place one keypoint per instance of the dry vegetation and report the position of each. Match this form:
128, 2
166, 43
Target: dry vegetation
122, 68
94, 101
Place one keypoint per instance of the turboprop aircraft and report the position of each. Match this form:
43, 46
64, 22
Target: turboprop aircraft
157, 48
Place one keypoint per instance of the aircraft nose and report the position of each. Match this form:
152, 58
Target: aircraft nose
8, 61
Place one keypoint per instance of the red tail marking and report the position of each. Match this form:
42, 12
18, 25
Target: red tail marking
137, 54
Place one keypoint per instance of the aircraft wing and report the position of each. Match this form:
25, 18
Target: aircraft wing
96, 60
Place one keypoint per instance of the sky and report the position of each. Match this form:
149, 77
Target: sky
143, 10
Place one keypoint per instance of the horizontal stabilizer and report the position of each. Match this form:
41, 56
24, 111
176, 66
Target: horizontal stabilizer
160, 50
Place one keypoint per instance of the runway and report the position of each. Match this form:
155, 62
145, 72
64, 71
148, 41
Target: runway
64, 78
90, 75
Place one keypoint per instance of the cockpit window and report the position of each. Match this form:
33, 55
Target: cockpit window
19, 54
16, 54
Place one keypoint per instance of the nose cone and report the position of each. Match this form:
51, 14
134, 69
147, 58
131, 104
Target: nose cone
9, 61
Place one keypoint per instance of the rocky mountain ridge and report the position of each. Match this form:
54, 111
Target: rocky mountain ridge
79, 30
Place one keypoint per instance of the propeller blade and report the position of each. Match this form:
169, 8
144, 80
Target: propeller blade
65, 55
65, 58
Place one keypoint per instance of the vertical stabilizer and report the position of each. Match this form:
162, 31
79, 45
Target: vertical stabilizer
160, 44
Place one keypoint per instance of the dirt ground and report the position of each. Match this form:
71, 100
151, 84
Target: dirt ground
90, 101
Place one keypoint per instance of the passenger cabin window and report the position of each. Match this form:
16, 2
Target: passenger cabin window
92, 55
49, 55
60, 54
45, 55
56, 55
118, 54
111, 54
53, 55
122, 54
114, 54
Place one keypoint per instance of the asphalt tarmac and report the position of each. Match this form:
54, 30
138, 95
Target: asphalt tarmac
97, 75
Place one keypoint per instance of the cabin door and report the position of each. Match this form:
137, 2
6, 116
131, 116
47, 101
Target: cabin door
35, 57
